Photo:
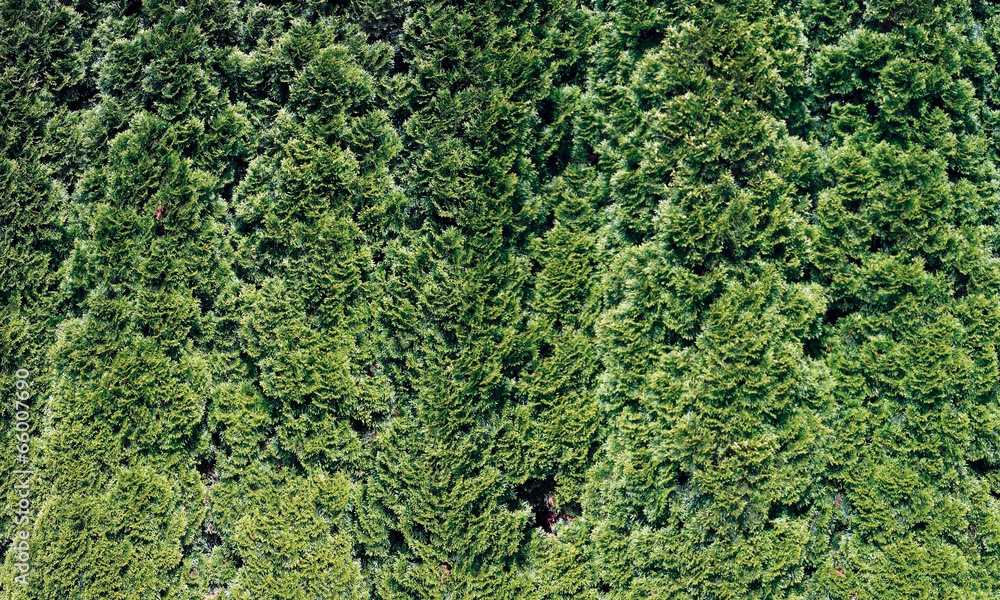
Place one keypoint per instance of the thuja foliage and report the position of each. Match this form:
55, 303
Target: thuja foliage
906, 251
42, 58
715, 442
311, 214
505, 299
454, 462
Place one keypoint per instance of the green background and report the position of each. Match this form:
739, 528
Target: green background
500, 300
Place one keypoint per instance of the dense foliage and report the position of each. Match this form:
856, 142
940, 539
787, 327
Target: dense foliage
509, 299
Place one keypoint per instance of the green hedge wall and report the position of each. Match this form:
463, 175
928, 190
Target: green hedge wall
510, 299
